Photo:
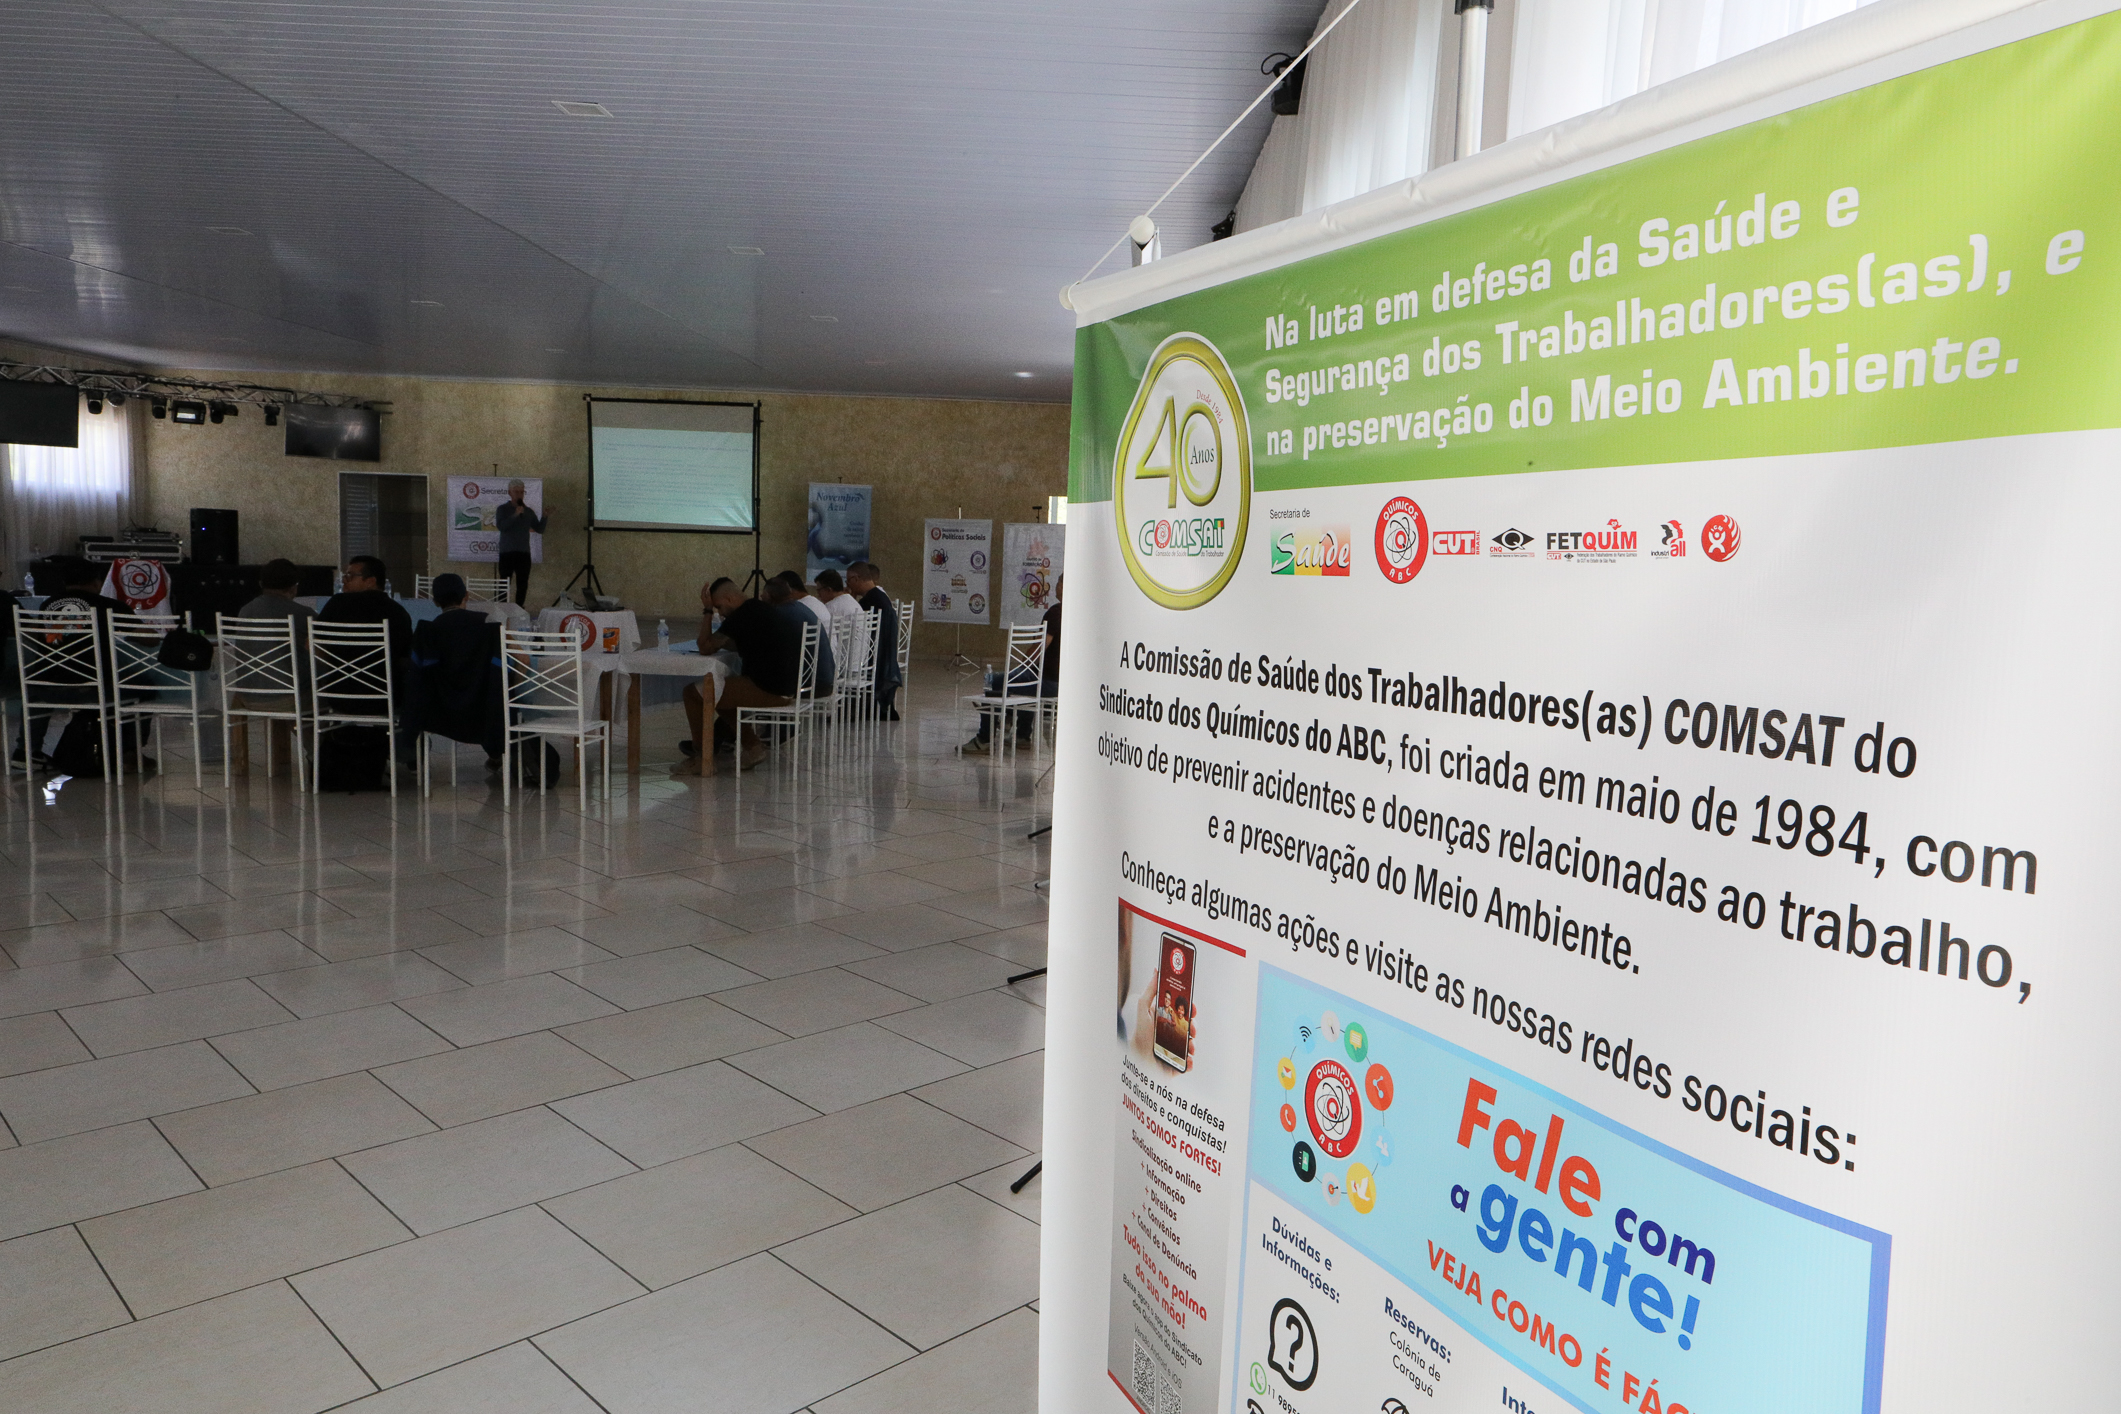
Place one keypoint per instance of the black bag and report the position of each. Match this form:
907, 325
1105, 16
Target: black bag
79, 752
353, 759
186, 651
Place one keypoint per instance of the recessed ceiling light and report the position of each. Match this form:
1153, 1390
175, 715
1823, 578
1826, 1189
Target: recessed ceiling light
228, 230
826, 318
581, 110
551, 350
876, 362
1024, 373
746, 250
23, 289
428, 303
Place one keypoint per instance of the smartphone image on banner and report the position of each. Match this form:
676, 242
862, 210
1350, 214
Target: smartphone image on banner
1174, 1004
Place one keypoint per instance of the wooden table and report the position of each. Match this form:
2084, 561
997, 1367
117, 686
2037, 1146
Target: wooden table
709, 671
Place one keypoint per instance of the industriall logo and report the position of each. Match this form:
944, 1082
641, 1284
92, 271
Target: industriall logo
1512, 544
1671, 542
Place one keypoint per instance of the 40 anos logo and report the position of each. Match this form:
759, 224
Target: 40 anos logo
1182, 480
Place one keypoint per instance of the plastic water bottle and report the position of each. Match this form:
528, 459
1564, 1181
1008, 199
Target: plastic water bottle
662, 635
987, 676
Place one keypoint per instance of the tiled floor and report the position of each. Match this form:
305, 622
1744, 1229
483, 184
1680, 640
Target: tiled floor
707, 1100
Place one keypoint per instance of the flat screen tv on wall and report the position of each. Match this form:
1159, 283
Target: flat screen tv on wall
345, 434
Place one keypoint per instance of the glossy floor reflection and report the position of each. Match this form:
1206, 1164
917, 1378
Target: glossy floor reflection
709, 1099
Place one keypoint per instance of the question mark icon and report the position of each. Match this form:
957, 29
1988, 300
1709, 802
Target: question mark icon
1292, 1344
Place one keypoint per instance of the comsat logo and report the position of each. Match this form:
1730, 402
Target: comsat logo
1312, 551
1182, 479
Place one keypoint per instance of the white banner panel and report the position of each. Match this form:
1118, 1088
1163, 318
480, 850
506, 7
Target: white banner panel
1583, 740
472, 502
954, 571
1034, 555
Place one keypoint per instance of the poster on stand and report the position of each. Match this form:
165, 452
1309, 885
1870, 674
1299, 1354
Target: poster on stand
955, 557
838, 535
1588, 713
472, 502
1033, 557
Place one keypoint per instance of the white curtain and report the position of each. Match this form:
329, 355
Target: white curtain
1369, 104
1371, 95
55, 494
1574, 56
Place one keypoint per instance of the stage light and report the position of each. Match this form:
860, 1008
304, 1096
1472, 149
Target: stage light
272, 414
191, 414
95, 404
159, 407
216, 411
117, 400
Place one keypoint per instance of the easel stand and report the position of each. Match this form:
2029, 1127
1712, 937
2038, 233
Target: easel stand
1033, 1171
586, 576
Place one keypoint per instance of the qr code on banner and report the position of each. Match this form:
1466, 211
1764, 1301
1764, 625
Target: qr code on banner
1174, 1396
1144, 1378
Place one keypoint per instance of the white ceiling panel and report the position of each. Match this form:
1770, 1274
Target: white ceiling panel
370, 186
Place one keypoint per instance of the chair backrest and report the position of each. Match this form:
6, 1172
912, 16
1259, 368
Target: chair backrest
349, 668
807, 665
59, 648
858, 665
492, 590
541, 676
136, 653
1027, 655
905, 633
423, 586
258, 655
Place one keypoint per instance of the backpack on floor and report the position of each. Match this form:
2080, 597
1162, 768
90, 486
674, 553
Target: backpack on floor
353, 759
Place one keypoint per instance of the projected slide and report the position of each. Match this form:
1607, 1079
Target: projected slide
671, 466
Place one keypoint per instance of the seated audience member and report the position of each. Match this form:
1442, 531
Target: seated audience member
1021, 683
861, 582
771, 646
787, 593
456, 664
363, 600
277, 583
81, 590
276, 594
832, 592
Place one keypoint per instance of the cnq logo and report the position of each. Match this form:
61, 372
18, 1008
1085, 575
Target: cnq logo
1185, 537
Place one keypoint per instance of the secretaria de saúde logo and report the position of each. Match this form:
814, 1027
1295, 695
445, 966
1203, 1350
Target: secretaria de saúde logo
1182, 478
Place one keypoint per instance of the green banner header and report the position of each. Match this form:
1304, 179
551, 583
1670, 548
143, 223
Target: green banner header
1926, 260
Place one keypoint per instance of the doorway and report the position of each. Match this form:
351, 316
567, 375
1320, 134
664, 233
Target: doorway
385, 514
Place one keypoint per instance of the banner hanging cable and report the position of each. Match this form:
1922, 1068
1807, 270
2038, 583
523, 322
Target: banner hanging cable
1263, 93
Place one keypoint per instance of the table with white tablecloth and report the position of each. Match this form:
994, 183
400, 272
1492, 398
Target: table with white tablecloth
591, 626
709, 670
421, 610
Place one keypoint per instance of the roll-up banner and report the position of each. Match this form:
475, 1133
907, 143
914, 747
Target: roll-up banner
472, 501
1034, 556
838, 534
955, 563
1589, 716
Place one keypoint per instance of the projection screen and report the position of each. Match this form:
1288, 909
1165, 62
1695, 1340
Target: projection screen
672, 466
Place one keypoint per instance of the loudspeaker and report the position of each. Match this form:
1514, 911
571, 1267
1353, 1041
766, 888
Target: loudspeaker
213, 537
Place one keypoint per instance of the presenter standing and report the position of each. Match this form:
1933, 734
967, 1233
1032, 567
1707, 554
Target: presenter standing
517, 522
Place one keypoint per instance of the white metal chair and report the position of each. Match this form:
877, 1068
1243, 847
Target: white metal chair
261, 680
1023, 683
798, 710
143, 690
62, 665
857, 679
542, 685
493, 590
904, 645
350, 684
